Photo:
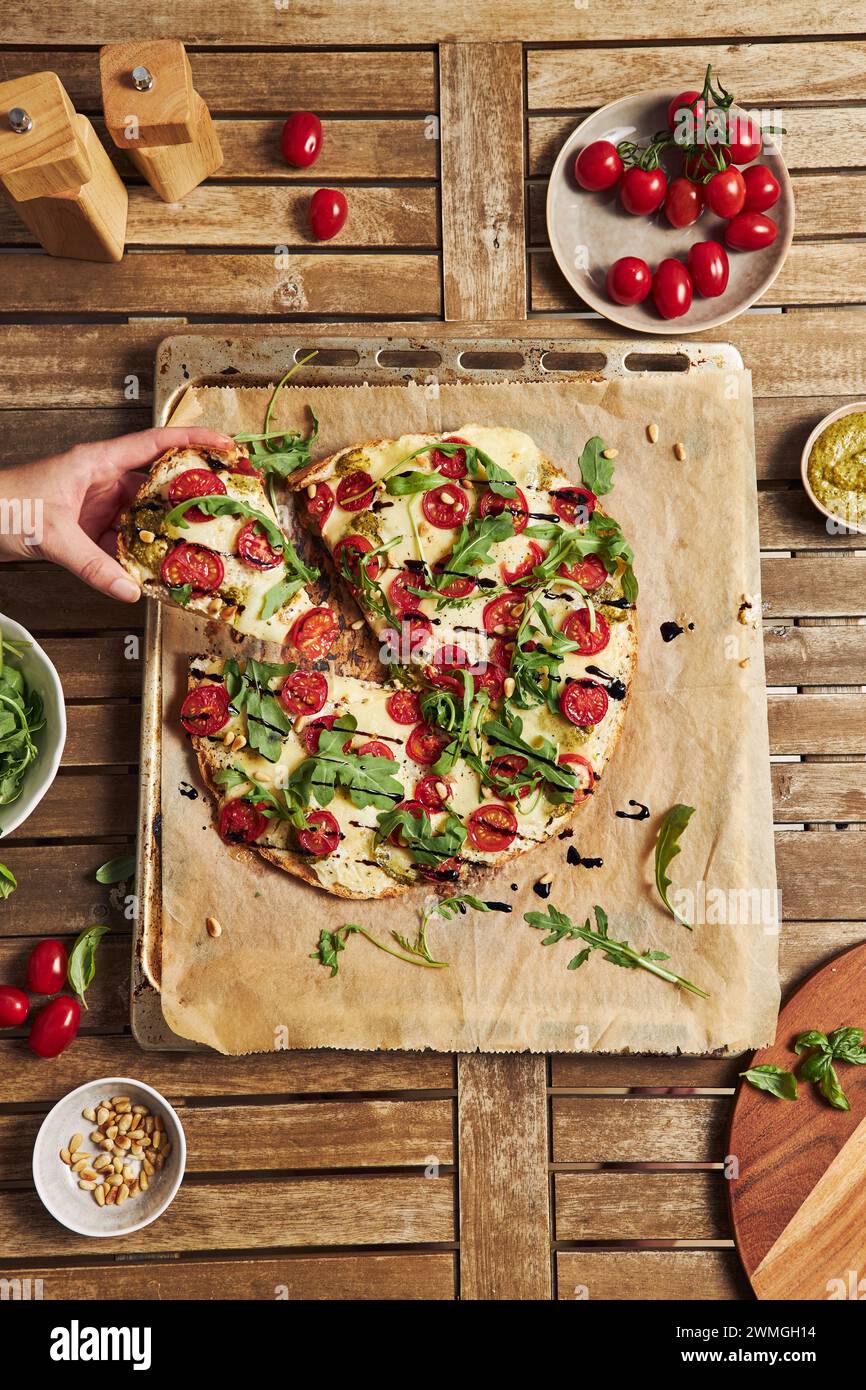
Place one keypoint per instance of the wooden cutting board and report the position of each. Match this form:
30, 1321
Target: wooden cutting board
799, 1203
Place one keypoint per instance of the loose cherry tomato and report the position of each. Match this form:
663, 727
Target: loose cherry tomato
54, 1027
445, 507
684, 203
46, 968
304, 692
573, 505
502, 615
302, 139
375, 748
241, 823
589, 642
195, 482
726, 193
321, 836
425, 745
315, 632
195, 565
672, 289
254, 548
762, 188
320, 505
205, 710
492, 504
523, 569
491, 827
598, 166
746, 140
584, 703
14, 1006
709, 268
642, 190
328, 212
356, 492
585, 771
590, 573
750, 231
694, 104
404, 707
629, 280
348, 553
450, 465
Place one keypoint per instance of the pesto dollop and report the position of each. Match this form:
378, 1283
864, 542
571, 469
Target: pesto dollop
837, 468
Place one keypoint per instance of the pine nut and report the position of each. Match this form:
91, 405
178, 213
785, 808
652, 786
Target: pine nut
508, 687
140, 1110
545, 879
99, 1194
147, 1167
87, 1186
65, 1157
102, 1115
610, 453
117, 1164
125, 1124
96, 1136
652, 433
101, 1163
128, 1172
75, 1142
111, 1196
680, 451
213, 927
311, 489
147, 536
136, 1151
89, 1174
143, 1180
148, 1125
82, 1162
136, 1135
122, 1104
357, 624
89, 1114
157, 1138
238, 743
114, 1179
122, 1193
133, 1188
111, 1132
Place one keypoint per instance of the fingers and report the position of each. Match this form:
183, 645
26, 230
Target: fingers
70, 547
130, 451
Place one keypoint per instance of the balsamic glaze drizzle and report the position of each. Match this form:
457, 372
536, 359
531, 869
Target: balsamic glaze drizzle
575, 858
640, 814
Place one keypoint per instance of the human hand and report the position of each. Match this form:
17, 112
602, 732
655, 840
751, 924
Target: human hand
67, 506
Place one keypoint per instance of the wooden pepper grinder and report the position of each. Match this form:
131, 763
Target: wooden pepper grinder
56, 174
154, 113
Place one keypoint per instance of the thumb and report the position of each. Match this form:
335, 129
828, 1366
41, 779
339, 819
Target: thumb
69, 546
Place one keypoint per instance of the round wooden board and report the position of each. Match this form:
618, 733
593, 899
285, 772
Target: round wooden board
798, 1205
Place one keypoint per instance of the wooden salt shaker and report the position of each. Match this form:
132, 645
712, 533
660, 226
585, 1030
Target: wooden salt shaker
56, 174
156, 116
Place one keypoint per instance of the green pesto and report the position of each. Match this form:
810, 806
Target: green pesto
837, 468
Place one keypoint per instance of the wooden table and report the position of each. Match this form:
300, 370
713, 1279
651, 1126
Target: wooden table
307, 1172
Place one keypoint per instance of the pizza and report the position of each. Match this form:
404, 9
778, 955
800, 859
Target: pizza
503, 596
202, 533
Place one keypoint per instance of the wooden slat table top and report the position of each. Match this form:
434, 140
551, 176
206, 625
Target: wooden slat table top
355, 1175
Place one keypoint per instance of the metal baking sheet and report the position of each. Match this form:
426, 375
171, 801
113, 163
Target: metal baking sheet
193, 359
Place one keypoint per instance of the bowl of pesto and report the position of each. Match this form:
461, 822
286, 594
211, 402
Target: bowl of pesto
32, 724
833, 467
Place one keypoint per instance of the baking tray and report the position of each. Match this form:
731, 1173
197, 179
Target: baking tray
193, 359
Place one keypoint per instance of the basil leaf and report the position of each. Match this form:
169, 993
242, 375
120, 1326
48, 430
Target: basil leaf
780, 1083
667, 848
845, 1040
595, 470
811, 1039
832, 1090
8, 881
815, 1065
116, 870
82, 961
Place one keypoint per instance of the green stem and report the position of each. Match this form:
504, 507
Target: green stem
398, 955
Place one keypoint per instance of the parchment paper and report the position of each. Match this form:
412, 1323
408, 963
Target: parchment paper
696, 732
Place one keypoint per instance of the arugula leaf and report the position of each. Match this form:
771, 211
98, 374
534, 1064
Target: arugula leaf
505, 736
278, 453
602, 536
180, 593
780, 1083
536, 660
8, 881
559, 927
459, 902
595, 470
498, 479
116, 870
445, 908
21, 717
368, 780
295, 576
409, 483
218, 505
472, 547
331, 943
275, 803
425, 846
82, 961
248, 690
667, 848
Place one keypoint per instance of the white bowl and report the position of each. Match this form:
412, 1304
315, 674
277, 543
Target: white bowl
57, 1185
854, 408
39, 673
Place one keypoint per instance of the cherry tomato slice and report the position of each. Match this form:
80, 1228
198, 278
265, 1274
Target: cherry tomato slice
709, 268
573, 505
328, 212
14, 1006
205, 710
502, 615
762, 188
315, 632
46, 968
425, 745
401, 600
375, 748
319, 507
451, 465
492, 504
490, 678
672, 289
428, 791
241, 822
347, 555
506, 767
459, 587
642, 190
589, 573
302, 139
445, 506
195, 482
404, 642
54, 1027
629, 280
255, 549
750, 231
404, 707
523, 569
356, 492
501, 653
416, 810
304, 692
491, 827
598, 166
448, 871
726, 193
241, 464
584, 703
312, 733
576, 628
195, 565
321, 835
585, 770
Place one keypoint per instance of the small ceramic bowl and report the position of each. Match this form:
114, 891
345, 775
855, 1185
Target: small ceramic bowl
857, 408
58, 1186
39, 673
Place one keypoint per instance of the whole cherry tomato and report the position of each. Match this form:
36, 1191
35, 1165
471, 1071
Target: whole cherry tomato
328, 212
14, 1006
55, 1026
598, 166
694, 102
726, 193
746, 140
642, 190
750, 231
684, 202
46, 968
629, 280
302, 139
762, 188
709, 268
672, 289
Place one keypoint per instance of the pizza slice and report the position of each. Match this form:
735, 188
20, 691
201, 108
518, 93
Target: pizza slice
203, 534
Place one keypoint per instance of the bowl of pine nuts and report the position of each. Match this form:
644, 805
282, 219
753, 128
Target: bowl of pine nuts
109, 1158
